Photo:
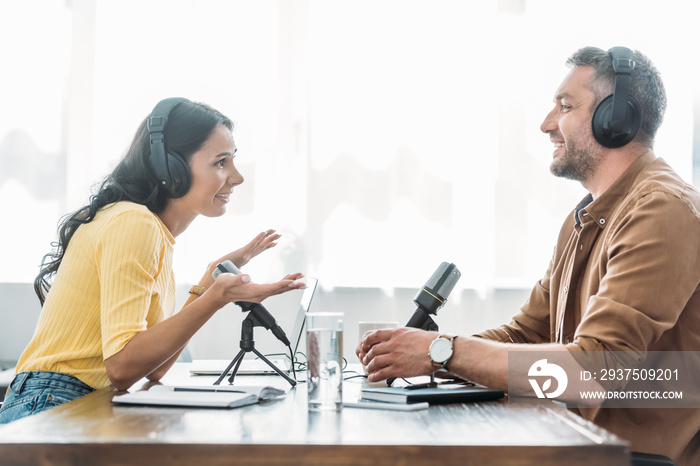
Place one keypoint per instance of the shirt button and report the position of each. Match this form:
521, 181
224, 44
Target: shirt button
566, 288
602, 221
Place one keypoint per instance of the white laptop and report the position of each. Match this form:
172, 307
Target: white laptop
257, 366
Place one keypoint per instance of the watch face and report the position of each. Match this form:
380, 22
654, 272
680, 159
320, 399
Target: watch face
441, 350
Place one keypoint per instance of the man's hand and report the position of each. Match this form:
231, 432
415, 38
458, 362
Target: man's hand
401, 352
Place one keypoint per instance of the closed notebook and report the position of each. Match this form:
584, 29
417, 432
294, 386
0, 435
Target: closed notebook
200, 396
433, 395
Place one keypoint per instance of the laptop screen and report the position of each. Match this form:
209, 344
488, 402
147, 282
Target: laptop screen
304, 306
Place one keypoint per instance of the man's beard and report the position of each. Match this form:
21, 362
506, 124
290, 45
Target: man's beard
579, 162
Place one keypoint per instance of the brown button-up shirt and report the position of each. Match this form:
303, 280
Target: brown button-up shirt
625, 276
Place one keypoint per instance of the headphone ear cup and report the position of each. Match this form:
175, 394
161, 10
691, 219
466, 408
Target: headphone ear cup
602, 119
179, 175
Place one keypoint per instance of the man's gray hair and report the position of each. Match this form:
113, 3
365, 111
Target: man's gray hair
646, 86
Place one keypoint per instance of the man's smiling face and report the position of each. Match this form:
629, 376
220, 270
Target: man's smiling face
576, 154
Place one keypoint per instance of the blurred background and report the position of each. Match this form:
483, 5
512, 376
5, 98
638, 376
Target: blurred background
380, 137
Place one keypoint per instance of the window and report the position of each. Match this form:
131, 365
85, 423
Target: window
380, 137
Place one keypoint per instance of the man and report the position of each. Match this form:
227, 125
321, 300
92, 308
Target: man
625, 275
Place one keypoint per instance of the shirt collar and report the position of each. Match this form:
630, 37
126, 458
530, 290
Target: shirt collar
600, 209
582, 205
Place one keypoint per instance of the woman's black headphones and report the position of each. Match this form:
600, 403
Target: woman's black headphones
170, 168
618, 117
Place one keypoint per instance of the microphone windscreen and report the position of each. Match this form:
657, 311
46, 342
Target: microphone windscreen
225, 267
444, 279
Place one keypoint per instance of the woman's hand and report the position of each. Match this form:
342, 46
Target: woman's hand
228, 288
262, 242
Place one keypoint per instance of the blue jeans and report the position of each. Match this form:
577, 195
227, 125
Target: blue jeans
34, 392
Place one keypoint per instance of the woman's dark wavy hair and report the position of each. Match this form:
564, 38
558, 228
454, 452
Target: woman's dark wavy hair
189, 126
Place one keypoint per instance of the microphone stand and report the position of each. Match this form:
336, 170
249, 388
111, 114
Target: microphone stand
430, 325
248, 345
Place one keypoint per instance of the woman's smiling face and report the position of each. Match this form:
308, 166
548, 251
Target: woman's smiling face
214, 175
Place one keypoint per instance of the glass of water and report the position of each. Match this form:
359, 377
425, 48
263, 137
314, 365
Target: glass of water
324, 350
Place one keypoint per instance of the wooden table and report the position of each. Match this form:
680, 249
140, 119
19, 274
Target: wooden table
92, 430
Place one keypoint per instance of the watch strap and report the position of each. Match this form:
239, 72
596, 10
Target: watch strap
198, 290
444, 365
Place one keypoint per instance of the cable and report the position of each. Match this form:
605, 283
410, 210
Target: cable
291, 356
303, 366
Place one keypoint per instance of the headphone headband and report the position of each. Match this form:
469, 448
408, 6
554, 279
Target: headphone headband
623, 65
618, 117
170, 169
159, 115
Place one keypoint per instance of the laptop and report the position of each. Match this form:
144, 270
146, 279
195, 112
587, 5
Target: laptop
251, 365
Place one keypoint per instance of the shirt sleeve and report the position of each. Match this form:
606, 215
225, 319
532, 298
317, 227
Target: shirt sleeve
650, 270
129, 258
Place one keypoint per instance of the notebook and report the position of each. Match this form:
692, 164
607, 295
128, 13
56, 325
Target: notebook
198, 396
435, 395
252, 366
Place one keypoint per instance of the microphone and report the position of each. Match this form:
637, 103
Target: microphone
257, 309
430, 299
434, 294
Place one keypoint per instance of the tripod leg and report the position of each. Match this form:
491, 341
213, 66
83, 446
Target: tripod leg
235, 369
235, 360
269, 363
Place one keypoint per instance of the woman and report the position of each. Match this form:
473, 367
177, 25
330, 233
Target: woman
108, 315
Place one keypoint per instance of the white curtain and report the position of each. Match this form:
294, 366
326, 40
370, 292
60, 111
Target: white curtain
380, 137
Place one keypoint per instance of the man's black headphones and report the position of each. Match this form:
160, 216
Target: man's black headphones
618, 117
171, 170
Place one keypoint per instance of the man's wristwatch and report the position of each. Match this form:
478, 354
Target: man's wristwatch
441, 351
